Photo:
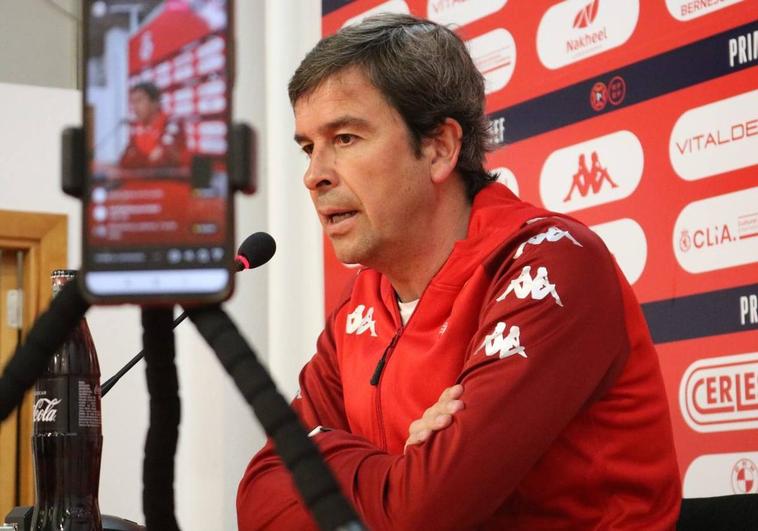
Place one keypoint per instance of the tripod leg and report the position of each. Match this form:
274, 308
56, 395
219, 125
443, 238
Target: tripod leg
165, 414
48, 334
312, 477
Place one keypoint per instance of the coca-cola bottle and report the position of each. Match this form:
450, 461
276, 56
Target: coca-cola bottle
67, 440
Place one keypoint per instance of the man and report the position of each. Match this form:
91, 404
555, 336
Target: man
489, 367
155, 141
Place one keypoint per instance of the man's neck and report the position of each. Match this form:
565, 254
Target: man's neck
411, 271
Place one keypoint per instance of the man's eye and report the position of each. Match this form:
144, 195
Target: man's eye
307, 149
345, 139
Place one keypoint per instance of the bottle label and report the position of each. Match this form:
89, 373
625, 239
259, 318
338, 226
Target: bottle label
50, 406
66, 404
89, 404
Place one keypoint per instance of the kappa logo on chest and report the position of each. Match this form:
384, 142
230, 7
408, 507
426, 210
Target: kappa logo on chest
359, 322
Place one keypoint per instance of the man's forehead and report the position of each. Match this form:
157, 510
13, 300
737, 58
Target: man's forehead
346, 83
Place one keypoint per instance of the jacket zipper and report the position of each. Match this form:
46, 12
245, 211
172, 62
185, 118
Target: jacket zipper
376, 378
383, 360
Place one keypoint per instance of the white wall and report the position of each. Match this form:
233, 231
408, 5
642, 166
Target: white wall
278, 308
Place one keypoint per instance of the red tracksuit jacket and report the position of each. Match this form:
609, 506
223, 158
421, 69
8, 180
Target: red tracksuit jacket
566, 423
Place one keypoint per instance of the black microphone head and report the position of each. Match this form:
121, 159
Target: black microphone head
256, 250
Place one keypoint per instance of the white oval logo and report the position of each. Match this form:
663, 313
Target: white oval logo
506, 177
598, 171
461, 12
721, 394
687, 9
494, 54
717, 232
626, 241
577, 29
392, 6
721, 475
716, 138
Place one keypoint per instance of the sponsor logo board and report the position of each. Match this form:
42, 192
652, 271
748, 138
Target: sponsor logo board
626, 241
461, 12
743, 49
716, 138
718, 232
494, 54
506, 177
721, 475
598, 171
574, 30
392, 6
688, 9
721, 394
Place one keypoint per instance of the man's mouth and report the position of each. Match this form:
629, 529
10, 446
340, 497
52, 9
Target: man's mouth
336, 218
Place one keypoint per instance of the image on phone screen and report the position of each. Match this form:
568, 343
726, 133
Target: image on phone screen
157, 212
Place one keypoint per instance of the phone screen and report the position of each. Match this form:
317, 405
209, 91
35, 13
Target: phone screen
157, 218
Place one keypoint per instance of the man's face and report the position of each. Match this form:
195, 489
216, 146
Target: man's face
142, 106
372, 193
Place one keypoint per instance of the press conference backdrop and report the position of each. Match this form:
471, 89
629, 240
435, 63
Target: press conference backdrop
639, 118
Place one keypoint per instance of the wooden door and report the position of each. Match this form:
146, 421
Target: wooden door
31, 246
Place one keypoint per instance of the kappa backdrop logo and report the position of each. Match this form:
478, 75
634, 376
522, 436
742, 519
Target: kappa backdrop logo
357, 322
587, 15
589, 180
590, 173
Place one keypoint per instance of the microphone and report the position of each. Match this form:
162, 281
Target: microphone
256, 250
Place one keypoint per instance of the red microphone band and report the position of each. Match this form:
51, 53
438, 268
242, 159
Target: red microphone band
243, 260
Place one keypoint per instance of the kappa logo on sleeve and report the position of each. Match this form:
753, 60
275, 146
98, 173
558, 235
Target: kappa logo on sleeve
506, 346
553, 234
538, 287
357, 322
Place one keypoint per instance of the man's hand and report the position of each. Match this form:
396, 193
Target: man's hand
437, 417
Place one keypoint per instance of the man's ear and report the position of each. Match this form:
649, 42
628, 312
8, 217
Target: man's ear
443, 149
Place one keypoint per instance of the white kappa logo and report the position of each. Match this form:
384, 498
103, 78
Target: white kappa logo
538, 287
553, 234
507, 346
357, 323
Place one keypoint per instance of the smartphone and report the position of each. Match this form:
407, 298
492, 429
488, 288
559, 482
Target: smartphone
157, 219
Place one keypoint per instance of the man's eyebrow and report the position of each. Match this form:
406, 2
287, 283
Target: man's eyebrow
342, 121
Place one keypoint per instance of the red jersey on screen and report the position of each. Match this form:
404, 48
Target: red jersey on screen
159, 143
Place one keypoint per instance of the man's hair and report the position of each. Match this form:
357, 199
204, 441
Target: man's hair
423, 70
148, 88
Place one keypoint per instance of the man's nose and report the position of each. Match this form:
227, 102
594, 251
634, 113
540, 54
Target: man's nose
320, 172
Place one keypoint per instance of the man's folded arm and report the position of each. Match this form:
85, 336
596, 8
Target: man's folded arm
530, 368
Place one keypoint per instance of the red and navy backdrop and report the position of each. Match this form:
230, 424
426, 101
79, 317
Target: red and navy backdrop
640, 118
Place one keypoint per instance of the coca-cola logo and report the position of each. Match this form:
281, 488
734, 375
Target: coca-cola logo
45, 409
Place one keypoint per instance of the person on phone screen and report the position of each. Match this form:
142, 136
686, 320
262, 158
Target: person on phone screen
155, 139
489, 366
